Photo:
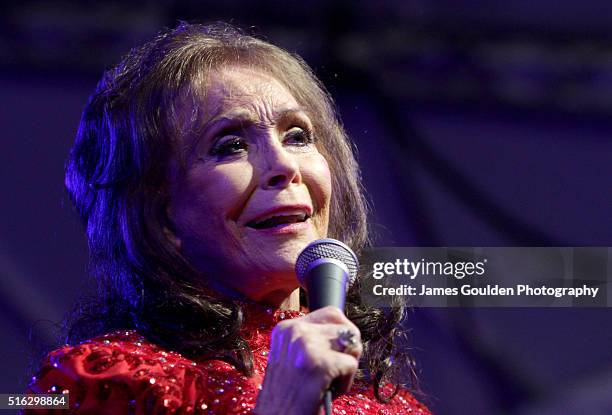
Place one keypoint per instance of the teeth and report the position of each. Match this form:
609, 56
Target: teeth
278, 220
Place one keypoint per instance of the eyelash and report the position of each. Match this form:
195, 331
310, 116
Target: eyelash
228, 147
237, 144
305, 133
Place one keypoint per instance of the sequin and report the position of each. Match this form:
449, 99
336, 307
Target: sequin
167, 382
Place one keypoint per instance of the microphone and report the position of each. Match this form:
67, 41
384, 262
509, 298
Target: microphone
325, 268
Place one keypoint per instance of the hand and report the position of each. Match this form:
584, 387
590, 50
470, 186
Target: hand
304, 360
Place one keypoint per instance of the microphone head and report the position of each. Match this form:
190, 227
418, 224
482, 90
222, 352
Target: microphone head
326, 248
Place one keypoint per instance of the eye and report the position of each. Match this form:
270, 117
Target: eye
299, 137
228, 146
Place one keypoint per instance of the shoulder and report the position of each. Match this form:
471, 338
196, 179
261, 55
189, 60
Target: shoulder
119, 373
407, 400
361, 400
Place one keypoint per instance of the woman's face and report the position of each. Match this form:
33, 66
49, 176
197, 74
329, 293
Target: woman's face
255, 190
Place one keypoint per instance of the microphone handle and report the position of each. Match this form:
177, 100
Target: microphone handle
326, 282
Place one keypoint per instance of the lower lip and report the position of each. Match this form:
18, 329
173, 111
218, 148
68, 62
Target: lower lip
288, 228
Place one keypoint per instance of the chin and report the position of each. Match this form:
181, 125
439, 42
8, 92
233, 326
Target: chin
275, 298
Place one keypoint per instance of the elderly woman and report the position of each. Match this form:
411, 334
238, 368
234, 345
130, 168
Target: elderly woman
205, 161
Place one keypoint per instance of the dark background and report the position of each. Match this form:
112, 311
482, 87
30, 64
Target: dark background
477, 125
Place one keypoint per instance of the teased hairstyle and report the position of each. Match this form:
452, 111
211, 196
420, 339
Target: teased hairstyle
116, 177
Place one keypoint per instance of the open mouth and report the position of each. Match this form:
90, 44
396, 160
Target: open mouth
278, 220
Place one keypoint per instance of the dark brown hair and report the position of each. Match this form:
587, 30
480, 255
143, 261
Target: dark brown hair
116, 178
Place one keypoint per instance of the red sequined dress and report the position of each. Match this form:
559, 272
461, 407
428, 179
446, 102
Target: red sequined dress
122, 373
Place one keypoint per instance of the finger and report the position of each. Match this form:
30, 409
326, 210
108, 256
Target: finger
344, 338
347, 341
343, 370
279, 342
327, 315
330, 315
317, 361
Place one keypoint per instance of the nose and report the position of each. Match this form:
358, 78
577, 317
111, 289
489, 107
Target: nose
282, 168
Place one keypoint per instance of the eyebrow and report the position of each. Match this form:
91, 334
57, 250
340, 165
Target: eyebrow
247, 117
243, 117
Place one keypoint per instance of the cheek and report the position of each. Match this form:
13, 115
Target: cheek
208, 198
325, 172
228, 188
317, 176
318, 172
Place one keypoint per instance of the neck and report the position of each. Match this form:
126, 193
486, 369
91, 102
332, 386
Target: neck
292, 302
277, 299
